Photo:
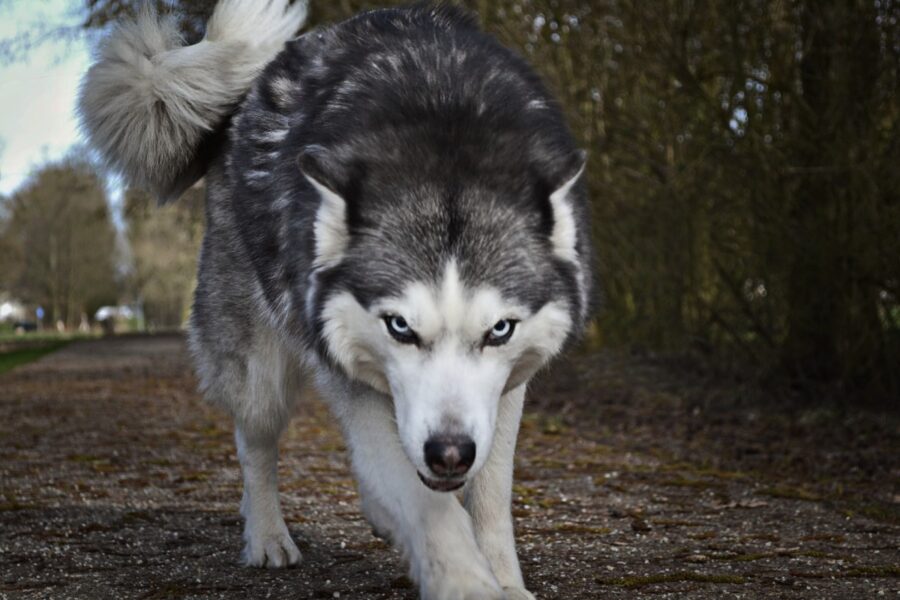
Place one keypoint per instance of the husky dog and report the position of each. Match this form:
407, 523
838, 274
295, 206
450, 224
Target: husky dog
395, 208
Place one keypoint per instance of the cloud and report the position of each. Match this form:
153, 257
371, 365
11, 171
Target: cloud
37, 99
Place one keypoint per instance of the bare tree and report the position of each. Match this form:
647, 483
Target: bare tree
164, 243
61, 242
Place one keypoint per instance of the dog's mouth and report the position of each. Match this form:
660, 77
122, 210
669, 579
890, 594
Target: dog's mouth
442, 485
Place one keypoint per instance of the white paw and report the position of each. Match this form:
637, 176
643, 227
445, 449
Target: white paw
517, 593
272, 549
463, 586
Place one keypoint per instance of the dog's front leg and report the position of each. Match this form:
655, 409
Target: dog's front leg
431, 528
488, 498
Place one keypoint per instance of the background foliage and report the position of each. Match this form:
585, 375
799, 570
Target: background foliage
164, 243
743, 166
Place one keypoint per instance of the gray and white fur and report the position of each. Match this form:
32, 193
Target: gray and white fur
396, 211
149, 100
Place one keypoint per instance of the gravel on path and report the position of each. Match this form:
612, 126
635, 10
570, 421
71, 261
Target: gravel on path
117, 481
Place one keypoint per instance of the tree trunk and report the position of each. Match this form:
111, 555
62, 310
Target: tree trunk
814, 288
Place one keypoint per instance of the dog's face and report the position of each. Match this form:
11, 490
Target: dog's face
444, 300
445, 353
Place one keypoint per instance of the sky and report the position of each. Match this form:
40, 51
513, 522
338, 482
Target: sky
37, 95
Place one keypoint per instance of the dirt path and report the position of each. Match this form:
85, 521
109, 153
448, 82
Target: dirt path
117, 482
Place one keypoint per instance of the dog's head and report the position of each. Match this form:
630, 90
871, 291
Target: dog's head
446, 294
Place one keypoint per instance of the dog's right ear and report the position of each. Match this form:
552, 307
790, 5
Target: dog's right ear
565, 231
330, 230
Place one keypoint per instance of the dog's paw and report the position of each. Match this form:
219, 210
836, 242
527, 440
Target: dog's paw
517, 593
274, 550
468, 586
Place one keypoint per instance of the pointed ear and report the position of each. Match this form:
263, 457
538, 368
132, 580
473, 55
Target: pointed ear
564, 236
330, 229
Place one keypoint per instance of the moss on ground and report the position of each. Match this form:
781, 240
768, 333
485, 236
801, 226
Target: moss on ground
577, 528
790, 493
877, 571
639, 581
699, 484
878, 511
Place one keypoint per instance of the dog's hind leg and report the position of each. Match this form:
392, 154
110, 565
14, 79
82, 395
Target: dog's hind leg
267, 542
272, 385
488, 498
431, 528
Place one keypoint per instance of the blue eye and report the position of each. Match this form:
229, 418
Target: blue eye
500, 332
400, 329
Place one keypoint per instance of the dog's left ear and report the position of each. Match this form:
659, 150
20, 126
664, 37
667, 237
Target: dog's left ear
564, 235
330, 229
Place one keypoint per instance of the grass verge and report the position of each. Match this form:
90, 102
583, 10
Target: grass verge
14, 358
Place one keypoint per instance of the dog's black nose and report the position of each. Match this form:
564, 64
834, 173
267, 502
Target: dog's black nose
450, 455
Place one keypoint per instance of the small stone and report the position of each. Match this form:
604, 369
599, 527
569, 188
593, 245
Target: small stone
640, 525
697, 558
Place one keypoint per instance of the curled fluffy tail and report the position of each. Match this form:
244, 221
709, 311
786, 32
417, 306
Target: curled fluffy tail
150, 100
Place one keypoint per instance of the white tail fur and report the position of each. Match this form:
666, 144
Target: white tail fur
149, 100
